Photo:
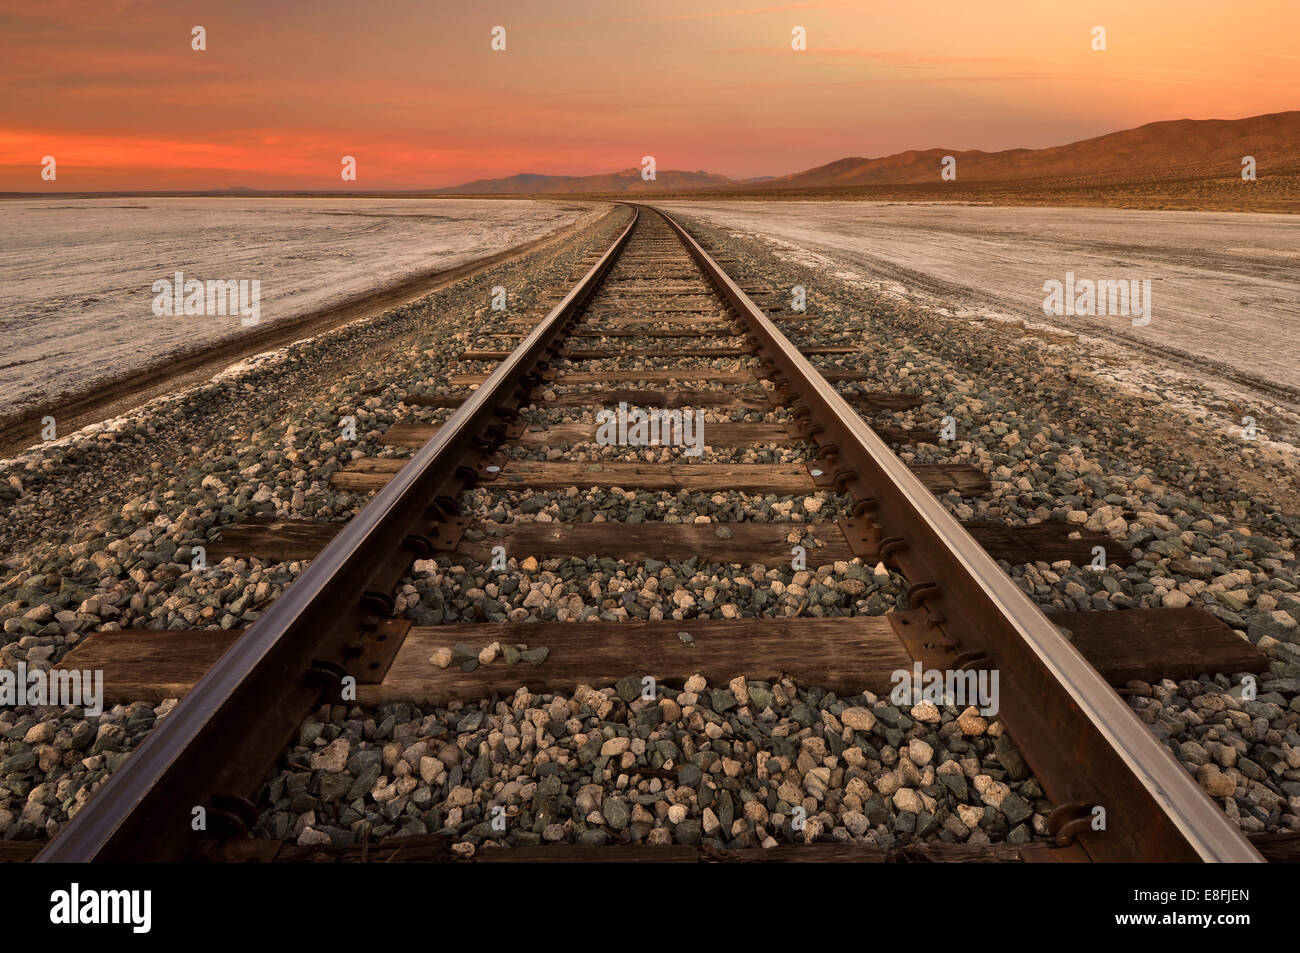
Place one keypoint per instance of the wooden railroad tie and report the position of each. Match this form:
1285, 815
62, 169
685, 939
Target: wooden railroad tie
623, 331
750, 398
662, 376
672, 314
740, 398
272, 540
373, 473
723, 433
436, 848
846, 655
408, 848
627, 377
593, 354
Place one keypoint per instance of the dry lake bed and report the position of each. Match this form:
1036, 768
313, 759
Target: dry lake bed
1225, 287
78, 274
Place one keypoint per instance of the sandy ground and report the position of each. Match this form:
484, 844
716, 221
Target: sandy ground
77, 273
1225, 286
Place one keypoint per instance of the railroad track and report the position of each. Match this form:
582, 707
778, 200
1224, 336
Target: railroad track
655, 298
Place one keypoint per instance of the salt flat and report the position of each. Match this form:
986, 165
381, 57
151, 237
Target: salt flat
1225, 286
76, 274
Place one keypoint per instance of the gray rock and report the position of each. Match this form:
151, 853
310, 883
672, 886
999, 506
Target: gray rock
616, 812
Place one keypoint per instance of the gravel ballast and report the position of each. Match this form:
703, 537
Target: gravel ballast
746, 764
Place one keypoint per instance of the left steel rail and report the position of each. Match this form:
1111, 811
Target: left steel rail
214, 750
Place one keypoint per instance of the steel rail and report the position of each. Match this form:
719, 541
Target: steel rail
217, 745
1082, 741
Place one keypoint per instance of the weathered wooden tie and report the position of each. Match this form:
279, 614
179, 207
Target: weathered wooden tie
611, 331
629, 376
372, 473
594, 354
742, 543
847, 655
740, 398
737, 398
723, 433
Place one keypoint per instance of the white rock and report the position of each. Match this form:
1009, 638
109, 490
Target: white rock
926, 712
905, 799
859, 719
971, 722
430, 768
614, 747
738, 687
919, 752
333, 757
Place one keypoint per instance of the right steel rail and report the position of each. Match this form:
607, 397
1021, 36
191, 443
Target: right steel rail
1084, 744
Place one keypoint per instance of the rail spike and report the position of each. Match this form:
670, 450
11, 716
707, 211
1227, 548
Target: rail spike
378, 603
1068, 821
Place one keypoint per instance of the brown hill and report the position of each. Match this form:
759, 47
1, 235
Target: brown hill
1175, 149
1183, 163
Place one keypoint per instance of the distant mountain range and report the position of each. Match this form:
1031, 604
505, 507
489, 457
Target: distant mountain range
1177, 148
628, 180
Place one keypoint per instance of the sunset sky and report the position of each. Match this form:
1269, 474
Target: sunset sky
412, 89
